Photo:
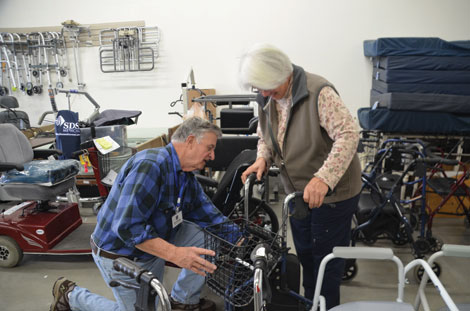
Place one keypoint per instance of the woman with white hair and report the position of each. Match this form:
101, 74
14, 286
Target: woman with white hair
307, 131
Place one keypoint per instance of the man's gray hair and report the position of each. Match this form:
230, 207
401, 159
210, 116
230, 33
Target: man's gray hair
195, 126
265, 67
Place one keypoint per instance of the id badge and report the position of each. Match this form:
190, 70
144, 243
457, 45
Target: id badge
177, 219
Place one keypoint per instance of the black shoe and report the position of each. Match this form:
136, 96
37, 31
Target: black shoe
203, 305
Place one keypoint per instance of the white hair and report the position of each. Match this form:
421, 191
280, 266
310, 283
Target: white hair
195, 126
264, 67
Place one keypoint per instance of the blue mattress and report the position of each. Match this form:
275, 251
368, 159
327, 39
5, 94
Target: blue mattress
435, 88
416, 46
422, 76
416, 122
421, 102
422, 62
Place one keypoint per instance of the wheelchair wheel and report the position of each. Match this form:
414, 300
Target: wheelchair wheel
263, 215
260, 213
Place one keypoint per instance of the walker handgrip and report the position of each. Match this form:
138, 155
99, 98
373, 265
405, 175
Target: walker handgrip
438, 160
456, 250
128, 267
301, 208
363, 252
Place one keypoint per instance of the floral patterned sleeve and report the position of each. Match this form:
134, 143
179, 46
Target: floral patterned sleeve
336, 119
263, 149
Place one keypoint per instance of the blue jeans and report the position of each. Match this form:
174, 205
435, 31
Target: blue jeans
186, 289
314, 238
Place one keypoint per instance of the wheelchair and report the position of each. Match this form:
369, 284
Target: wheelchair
228, 194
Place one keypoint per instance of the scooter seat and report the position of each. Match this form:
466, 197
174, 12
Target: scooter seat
42, 172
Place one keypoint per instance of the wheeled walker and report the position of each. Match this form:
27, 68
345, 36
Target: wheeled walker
250, 254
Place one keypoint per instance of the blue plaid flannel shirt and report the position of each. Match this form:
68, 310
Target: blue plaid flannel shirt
142, 202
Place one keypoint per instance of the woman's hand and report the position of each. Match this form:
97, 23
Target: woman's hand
259, 167
315, 192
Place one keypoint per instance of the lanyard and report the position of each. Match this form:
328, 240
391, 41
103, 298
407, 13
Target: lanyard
182, 185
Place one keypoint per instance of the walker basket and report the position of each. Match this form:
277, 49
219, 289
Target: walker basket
114, 160
233, 243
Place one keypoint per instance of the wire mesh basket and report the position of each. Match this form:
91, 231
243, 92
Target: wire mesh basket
114, 160
233, 243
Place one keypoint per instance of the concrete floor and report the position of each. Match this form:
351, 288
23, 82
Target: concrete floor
28, 286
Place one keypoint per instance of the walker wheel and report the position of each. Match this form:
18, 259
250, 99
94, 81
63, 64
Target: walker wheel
436, 243
10, 253
3, 91
350, 270
369, 240
401, 238
419, 272
421, 247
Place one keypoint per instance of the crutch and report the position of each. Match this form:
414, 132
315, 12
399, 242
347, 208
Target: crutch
35, 63
29, 85
3, 89
55, 41
15, 60
7, 59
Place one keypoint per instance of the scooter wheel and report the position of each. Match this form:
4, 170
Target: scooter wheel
63, 72
350, 270
59, 85
419, 272
10, 252
40, 89
36, 89
29, 85
29, 92
35, 73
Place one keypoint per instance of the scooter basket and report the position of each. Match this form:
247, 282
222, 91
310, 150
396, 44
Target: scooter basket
233, 243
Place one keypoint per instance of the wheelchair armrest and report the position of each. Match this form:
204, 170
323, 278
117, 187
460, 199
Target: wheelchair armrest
44, 153
206, 181
6, 166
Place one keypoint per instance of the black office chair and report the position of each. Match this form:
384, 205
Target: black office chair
19, 118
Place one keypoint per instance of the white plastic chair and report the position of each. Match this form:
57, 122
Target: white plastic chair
450, 250
378, 254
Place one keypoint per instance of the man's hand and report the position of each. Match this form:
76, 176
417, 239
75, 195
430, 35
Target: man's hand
190, 258
315, 192
184, 257
259, 167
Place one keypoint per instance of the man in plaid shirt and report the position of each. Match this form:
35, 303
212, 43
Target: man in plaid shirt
154, 213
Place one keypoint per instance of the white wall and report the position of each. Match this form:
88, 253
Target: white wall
324, 37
